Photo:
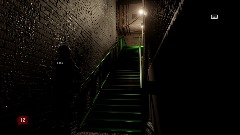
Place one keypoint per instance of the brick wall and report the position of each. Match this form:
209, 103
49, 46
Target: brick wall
158, 22
186, 68
30, 33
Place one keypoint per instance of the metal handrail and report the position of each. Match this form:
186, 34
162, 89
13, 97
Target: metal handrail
104, 58
166, 33
102, 75
140, 66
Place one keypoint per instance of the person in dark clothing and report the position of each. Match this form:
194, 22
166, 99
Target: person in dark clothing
66, 72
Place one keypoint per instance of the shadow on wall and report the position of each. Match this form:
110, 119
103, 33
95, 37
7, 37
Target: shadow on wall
189, 70
30, 33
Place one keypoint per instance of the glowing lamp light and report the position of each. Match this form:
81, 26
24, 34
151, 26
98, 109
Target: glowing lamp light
145, 13
141, 11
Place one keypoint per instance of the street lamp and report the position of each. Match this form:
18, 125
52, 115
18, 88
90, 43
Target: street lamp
142, 12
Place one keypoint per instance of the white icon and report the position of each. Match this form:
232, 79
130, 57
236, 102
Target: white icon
214, 16
59, 63
23, 119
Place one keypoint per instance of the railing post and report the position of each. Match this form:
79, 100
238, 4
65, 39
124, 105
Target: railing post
100, 74
140, 65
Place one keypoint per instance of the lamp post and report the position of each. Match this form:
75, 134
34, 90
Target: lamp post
143, 13
142, 26
143, 65
144, 60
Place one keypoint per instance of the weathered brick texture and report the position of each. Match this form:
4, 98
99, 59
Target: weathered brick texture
30, 33
159, 17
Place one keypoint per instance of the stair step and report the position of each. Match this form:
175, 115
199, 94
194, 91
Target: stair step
118, 105
116, 120
114, 123
114, 130
124, 85
122, 90
115, 112
119, 96
109, 92
129, 59
118, 108
122, 82
130, 62
120, 101
124, 70
129, 65
105, 115
127, 68
121, 87
126, 78
127, 54
125, 75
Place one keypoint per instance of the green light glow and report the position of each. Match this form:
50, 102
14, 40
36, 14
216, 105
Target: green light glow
122, 99
120, 112
120, 105
119, 130
117, 120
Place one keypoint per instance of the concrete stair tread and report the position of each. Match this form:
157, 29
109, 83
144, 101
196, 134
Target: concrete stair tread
119, 130
118, 107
